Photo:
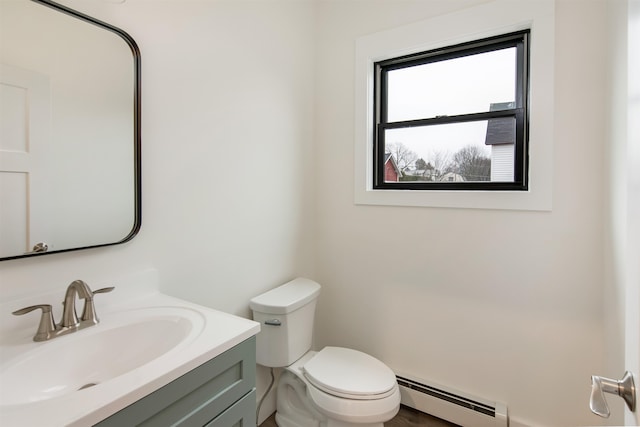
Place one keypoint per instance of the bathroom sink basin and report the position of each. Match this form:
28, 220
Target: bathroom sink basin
144, 341
121, 343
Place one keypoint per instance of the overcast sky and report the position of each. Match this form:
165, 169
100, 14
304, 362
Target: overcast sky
462, 85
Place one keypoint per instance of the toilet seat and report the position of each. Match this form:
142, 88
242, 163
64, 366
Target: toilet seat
357, 411
350, 374
348, 409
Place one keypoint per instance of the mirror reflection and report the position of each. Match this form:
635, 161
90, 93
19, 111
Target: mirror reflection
69, 131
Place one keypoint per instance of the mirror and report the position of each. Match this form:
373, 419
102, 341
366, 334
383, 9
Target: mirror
69, 131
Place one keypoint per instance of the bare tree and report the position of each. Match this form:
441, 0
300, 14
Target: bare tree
404, 157
441, 161
472, 164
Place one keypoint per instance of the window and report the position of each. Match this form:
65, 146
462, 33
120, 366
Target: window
453, 118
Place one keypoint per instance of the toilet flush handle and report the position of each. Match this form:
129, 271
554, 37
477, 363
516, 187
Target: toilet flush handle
273, 322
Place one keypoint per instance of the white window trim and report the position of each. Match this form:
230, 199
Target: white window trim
495, 18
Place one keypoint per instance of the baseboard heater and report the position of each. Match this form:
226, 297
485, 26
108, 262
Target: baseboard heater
451, 405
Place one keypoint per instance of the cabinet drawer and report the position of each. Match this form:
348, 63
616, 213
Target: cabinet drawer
197, 397
241, 414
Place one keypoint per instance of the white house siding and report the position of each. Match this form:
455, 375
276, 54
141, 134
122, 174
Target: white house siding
502, 162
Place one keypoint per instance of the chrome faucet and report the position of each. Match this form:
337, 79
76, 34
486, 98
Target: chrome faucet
69, 316
47, 329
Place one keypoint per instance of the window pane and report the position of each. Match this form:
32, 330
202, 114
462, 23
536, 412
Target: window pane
460, 152
469, 84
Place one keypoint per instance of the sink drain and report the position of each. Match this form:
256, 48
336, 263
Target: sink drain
87, 386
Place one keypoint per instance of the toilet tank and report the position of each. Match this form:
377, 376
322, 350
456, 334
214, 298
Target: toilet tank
286, 316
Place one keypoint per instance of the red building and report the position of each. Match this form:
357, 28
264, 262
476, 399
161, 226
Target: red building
391, 171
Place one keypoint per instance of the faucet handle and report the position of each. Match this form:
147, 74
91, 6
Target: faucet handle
89, 313
46, 326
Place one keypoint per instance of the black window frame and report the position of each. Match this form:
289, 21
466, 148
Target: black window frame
521, 41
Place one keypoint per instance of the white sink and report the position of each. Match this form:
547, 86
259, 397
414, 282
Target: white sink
84, 377
122, 342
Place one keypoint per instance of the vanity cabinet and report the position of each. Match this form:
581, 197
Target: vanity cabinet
218, 393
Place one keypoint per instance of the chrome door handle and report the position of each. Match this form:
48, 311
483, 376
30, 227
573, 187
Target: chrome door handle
624, 388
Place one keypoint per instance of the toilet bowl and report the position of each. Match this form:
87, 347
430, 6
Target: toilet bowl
334, 387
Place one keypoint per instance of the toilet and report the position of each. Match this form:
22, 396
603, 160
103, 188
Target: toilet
333, 387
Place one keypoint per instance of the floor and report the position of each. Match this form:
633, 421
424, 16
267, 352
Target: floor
407, 417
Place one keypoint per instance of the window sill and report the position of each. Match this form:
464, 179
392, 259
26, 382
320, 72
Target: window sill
504, 200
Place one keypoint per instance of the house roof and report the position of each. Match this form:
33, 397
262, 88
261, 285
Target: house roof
452, 176
389, 156
501, 130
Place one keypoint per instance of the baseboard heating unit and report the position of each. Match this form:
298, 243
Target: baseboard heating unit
451, 405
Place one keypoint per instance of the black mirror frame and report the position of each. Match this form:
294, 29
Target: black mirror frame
137, 139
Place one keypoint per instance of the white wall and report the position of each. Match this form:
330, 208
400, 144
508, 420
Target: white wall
227, 131
502, 304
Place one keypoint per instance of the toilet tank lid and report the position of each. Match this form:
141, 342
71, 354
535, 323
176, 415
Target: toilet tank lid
286, 298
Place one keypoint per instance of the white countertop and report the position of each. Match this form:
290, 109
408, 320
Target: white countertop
221, 332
